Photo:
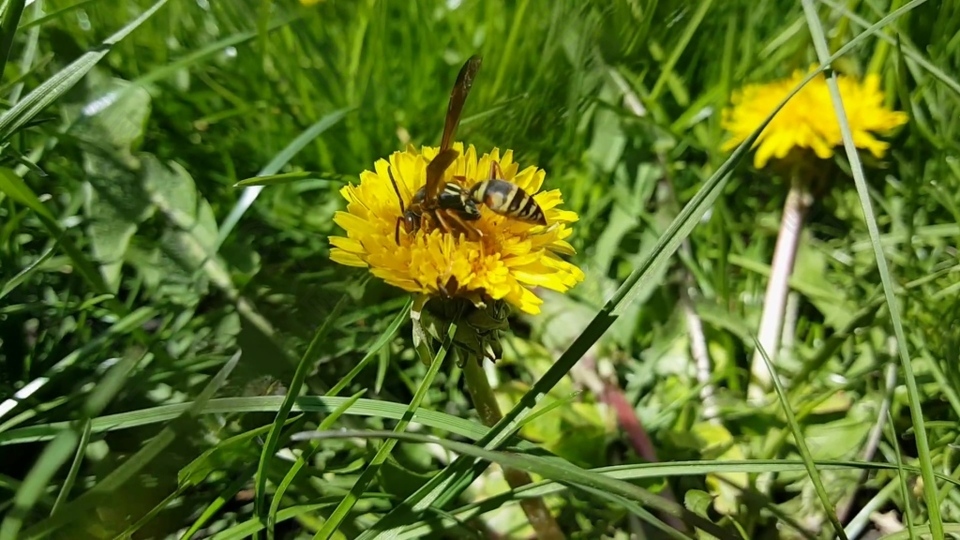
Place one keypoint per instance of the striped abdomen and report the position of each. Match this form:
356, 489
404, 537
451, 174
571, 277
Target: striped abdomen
507, 199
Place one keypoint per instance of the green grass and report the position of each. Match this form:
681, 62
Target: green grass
167, 331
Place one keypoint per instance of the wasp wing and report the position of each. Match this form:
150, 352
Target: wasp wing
458, 96
435, 170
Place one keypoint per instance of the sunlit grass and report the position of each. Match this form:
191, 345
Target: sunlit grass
156, 318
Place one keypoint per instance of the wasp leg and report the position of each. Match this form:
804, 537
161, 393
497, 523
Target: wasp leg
496, 173
441, 220
472, 233
454, 224
396, 230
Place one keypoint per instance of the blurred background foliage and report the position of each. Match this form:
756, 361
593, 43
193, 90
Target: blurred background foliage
142, 283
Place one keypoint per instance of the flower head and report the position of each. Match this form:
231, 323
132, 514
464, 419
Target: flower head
509, 259
808, 120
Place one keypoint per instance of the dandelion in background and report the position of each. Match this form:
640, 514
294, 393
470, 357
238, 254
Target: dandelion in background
803, 134
808, 122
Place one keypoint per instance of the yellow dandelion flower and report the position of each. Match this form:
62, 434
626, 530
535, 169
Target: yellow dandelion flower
508, 260
808, 120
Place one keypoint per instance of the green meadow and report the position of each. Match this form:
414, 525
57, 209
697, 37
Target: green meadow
181, 358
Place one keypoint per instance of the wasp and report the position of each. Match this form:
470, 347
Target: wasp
449, 205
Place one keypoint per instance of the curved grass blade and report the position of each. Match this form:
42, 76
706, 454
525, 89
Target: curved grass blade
346, 505
301, 462
286, 178
856, 168
251, 193
554, 469
801, 443
293, 391
154, 415
910, 52
25, 110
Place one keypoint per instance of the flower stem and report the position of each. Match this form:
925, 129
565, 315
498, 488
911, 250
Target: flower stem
774, 301
485, 402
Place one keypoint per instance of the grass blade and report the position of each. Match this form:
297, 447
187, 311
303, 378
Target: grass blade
301, 462
688, 33
287, 178
555, 469
55, 14
340, 512
293, 390
910, 53
251, 193
22, 275
8, 29
129, 468
856, 167
219, 501
74, 469
801, 443
164, 413
54, 87
389, 333
901, 476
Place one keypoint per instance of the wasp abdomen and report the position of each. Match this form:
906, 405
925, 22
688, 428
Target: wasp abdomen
507, 199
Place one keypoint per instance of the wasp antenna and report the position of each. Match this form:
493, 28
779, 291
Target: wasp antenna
396, 189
